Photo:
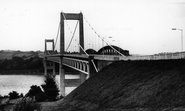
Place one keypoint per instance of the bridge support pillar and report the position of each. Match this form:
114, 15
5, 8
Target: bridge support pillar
62, 77
48, 66
45, 66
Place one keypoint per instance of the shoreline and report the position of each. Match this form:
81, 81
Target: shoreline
41, 73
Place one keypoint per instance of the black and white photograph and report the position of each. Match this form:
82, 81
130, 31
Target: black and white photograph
92, 55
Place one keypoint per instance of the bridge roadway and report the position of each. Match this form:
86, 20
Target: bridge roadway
177, 55
81, 62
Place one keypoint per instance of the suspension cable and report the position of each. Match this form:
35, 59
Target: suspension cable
75, 39
79, 44
72, 36
94, 65
83, 49
57, 36
103, 39
66, 23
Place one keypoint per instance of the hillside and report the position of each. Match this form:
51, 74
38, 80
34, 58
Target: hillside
131, 86
6, 54
20, 62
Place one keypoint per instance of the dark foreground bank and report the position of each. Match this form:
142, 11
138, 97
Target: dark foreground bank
131, 86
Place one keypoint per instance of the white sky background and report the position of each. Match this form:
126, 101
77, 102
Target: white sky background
141, 26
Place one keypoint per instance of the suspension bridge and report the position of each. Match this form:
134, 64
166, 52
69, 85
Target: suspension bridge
84, 50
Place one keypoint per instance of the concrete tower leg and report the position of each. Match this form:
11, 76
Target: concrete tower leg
62, 77
45, 66
68, 16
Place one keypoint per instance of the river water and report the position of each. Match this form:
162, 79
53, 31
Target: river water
22, 83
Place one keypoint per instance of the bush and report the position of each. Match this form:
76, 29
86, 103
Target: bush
34, 90
21, 95
27, 104
40, 97
13, 95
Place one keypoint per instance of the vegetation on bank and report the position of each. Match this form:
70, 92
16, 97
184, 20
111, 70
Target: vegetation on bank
27, 104
12, 95
21, 65
18, 62
47, 92
9, 54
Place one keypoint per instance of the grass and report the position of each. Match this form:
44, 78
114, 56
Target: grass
132, 85
27, 104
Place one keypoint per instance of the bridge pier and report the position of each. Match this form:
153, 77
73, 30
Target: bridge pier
45, 66
49, 68
62, 77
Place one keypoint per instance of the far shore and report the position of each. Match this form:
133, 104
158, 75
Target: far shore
32, 73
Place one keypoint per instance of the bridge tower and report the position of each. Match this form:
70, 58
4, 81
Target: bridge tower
48, 66
69, 16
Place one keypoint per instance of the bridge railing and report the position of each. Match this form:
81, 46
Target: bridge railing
77, 64
178, 55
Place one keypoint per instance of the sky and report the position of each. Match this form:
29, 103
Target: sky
140, 26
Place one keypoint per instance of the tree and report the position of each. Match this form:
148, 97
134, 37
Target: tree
50, 88
34, 90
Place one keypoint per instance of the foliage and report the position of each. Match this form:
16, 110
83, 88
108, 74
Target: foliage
1, 105
13, 95
20, 63
40, 97
50, 88
21, 95
27, 104
35, 91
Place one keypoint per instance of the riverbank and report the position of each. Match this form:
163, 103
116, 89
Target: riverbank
131, 86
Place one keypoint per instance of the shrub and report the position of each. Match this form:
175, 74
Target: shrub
27, 104
21, 95
34, 90
13, 95
2, 106
40, 97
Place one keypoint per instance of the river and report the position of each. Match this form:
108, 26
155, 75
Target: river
22, 83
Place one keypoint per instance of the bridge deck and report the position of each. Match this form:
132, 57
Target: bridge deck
178, 55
